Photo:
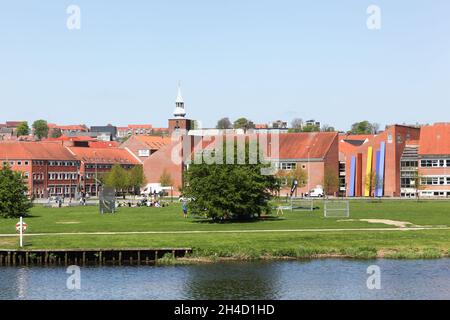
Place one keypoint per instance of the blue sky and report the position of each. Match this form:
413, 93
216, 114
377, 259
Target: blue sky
265, 60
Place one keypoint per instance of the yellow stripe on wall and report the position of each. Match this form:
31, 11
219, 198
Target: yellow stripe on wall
368, 172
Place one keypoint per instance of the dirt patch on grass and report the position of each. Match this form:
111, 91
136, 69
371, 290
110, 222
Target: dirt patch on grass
395, 223
8, 242
67, 222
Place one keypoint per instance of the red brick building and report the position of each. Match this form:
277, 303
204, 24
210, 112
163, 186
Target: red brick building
54, 169
97, 161
144, 146
49, 168
372, 162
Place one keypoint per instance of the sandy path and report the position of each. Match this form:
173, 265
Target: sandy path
395, 223
227, 231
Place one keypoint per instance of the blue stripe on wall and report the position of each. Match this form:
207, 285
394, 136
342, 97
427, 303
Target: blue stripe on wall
380, 188
352, 177
377, 175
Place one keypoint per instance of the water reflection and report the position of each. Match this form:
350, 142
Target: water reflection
21, 283
317, 279
233, 281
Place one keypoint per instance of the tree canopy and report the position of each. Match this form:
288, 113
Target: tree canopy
136, 178
56, 133
224, 123
364, 127
23, 129
40, 128
166, 179
228, 191
117, 178
13, 199
243, 123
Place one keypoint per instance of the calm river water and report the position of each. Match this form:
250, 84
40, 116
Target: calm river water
315, 279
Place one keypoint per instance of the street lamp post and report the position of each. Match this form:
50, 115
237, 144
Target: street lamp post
308, 172
96, 171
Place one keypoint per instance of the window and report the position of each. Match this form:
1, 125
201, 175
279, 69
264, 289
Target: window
144, 153
19, 163
288, 165
26, 163
390, 138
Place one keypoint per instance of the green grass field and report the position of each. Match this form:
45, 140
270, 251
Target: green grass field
295, 234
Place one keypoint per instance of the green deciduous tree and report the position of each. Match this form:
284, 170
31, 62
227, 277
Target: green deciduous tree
56, 133
40, 128
136, 178
228, 191
224, 123
23, 129
13, 199
243, 123
166, 179
117, 178
330, 181
364, 127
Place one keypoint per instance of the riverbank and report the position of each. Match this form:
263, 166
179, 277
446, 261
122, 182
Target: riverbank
387, 229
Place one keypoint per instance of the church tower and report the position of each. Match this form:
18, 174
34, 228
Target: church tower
179, 121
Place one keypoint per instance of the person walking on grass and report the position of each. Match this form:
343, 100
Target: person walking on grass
184, 205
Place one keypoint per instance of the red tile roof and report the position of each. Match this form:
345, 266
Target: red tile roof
153, 142
13, 124
66, 138
435, 139
306, 145
34, 150
356, 136
103, 144
293, 145
104, 155
140, 126
75, 127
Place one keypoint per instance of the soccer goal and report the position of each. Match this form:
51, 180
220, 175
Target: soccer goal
336, 209
301, 204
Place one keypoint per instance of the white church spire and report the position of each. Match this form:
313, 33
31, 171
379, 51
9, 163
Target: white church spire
179, 111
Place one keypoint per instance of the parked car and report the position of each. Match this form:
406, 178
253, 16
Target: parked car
316, 193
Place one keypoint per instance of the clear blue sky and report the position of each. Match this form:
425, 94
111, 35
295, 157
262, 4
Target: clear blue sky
265, 60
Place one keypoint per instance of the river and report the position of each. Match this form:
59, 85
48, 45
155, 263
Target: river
309, 279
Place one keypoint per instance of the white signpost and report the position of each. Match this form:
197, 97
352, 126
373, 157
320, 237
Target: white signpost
21, 227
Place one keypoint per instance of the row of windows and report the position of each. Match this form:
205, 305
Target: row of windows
63, 163
60, 190
409, 164
63, 176
435, 193
435, 181
99, 166
436, 163
409, 182
18, 162
288, 166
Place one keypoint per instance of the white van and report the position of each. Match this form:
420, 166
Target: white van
151, 188
317, 192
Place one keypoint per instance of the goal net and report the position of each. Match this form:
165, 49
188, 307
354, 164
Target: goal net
336, 209
298, 204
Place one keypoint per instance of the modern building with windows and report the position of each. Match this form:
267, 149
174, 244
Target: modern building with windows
434, 160
372, 166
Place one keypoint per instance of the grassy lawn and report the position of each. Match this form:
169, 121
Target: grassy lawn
399, 244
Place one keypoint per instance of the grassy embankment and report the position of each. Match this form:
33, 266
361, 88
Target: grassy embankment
294, 235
